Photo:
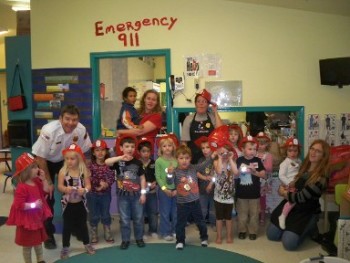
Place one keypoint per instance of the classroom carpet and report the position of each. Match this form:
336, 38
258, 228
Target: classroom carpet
161, 253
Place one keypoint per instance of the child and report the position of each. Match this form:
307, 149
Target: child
289, 168
165, 180
74, 183
151, 206
99, 198
267, 160
128, 116
187, 192
131, 190
251, 170
235, 137
205, 176
225, 171
29, 208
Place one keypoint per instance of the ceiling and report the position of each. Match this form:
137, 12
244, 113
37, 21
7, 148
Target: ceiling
337, 7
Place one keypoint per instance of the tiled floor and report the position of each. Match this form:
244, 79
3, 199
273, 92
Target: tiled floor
261, 249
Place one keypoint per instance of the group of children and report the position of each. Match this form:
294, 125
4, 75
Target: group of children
229, 173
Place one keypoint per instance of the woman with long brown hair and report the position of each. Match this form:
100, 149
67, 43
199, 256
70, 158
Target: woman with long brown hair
310, 183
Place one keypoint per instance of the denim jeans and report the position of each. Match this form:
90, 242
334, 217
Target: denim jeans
130, 209
151, 211
167, 211
184, 210
207, 206
290, 240
98, 205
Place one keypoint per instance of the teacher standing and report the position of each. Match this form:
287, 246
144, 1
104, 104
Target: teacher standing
310, 183
201, 123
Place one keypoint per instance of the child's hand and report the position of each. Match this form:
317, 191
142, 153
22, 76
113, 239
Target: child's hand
153, 185
103, 185
142, 199
170, 169
68, 190
173, 193
214, 154
38, 203
41, 175
127, 157
139, 127
81, 191
231, 155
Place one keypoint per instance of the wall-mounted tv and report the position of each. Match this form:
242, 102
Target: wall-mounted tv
335, 71
19, 132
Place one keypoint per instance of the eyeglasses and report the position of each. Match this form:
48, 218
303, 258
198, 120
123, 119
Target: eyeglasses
316, 150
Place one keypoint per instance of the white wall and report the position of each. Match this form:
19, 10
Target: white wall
274, 51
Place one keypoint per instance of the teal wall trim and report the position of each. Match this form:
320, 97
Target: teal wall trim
18, 50
299, 110
94, 63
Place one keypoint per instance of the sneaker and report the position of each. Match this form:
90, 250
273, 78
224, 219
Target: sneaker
124, 245
89, 249
179, 246
204, 243
65, 253
242, 235
252, 236
50, 243
154, 235
140, 243
168, 238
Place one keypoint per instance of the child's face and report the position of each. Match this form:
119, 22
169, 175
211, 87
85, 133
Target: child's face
128, 148
34, 171
183, 160
292, 152
71, 159
249, 150
167, 148
100, 153
223, 152
205, 149
234, 136
131, 97
145, 153
263, 144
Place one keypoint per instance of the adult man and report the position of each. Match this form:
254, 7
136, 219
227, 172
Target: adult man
54, 137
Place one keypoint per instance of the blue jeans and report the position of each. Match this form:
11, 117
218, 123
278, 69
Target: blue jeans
98, 205
207, 206
184, 210
130, 208
290, 240
167, 211
151, 211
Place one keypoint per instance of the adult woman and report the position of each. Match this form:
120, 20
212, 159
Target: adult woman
201, 123
151, 116
309, 183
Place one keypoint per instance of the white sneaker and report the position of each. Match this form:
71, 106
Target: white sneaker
154, 235
168, 238
204, 243
179, 246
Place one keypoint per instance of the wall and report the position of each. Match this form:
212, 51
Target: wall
274, 51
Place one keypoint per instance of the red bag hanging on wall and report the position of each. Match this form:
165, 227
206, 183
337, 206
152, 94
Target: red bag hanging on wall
17, 102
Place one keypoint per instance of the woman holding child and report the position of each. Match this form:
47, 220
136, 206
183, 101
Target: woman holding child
310, 183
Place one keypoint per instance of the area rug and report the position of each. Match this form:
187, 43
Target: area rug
161, 253
3, 220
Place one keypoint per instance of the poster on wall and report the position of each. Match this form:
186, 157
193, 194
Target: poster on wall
212, 65
330, 128
192, 66
344, 129
313, 127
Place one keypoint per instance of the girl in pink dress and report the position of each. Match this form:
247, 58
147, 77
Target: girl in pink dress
29, 208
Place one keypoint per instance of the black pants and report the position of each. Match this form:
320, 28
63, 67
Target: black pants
53, 168
74, 220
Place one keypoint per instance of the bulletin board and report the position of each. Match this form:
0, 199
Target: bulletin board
54, 88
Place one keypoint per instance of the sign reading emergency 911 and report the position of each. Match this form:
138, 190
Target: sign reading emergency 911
128, 32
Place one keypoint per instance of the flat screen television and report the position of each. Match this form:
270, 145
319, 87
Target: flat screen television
19, 132
335, 71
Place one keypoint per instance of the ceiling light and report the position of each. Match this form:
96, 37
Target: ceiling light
3, 30
21, 8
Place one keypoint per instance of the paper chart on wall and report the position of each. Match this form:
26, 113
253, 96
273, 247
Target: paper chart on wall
313, 127
330, 129
344, 129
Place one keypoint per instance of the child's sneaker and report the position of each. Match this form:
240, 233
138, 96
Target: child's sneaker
89, 249
65, 253
168, 238
204, 243
179, 246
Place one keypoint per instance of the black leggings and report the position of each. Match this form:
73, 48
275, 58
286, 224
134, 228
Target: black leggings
74, 220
